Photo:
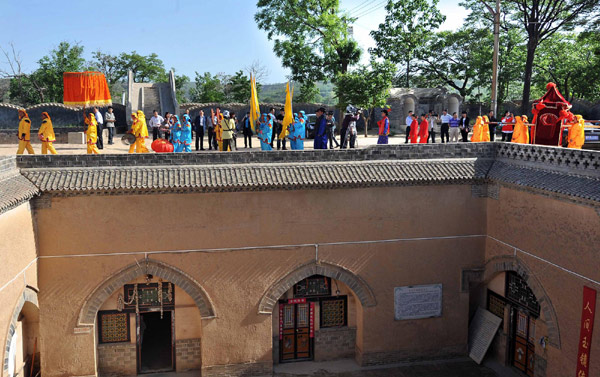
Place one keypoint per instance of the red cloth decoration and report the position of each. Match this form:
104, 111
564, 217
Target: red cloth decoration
547, 112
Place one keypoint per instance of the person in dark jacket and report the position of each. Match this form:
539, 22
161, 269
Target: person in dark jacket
200, 127
464, 127
320, 130
492, 125
247, 130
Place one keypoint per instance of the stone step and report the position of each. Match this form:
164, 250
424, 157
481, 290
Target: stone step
151, 101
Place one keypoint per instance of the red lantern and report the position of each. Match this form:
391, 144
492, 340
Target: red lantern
162, 146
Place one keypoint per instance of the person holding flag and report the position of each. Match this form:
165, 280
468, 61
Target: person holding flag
264, 132
288, 117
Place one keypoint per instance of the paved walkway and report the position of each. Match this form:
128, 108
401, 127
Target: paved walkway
462, 367
119, 148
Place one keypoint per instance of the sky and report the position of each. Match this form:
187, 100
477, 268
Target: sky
189, 35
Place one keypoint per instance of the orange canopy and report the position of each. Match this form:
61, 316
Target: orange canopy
85, 89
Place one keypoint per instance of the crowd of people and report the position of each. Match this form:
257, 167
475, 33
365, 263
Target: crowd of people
222, 128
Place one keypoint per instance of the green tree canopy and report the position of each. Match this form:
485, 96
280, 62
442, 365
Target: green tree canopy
208, 88
408, 26
310, 37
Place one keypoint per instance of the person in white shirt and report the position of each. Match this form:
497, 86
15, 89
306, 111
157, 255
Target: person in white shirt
444, 130
408, 121
155, 122
434, 127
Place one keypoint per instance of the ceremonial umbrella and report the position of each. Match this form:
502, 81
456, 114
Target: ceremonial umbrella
85, 89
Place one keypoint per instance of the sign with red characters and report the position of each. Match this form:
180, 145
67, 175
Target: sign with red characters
297, 301
280, 321
312, 319
587, 327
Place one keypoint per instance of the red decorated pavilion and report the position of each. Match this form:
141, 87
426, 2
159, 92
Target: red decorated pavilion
549, 112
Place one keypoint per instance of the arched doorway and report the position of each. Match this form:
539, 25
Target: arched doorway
147, 318
317, 313
453, 105
529, 325
409, 105
22, 348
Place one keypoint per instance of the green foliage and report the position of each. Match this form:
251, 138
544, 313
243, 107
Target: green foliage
181, 81
311, 38
308, 93
46, 83
407, 28
367, 86
240, 87
144, 68
572, 62
208, 88
460, 60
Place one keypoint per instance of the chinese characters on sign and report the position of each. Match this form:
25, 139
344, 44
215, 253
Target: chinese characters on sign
585, 337
418, 301
280, 321
296, 301
312, 319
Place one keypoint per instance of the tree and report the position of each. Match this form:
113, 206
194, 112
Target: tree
240, 87
311, 38
572, 62
462, 60
144, 68
407, 28
308, 93
208, 88
180, 86
108, 65
366, 87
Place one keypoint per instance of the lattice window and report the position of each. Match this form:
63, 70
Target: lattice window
519, 292
334, 311
496, 304
113, 327
315, 285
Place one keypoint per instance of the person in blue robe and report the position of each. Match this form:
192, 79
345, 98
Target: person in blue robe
176, 131
320, 130
265, 132
186, 134
297, 132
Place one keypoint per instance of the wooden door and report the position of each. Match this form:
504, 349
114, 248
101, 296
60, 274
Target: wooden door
524, 342
296, 343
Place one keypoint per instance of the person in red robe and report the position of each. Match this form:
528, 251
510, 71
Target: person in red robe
423, 130
414, 130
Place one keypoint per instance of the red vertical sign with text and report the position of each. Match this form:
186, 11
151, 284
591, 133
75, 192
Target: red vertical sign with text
312, 319
280, 321
585, 336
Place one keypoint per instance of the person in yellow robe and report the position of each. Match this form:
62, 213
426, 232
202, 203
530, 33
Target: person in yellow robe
520, 131
143, 133
219, 131
477, 128
485, 129
576, 135
91, 134
46, 134
24, 134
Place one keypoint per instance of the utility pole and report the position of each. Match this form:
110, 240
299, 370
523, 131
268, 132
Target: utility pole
496, 14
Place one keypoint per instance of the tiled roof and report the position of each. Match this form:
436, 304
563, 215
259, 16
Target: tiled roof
14, 190
249, 177
574, 185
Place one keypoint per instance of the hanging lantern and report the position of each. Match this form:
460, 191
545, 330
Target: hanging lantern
162, 146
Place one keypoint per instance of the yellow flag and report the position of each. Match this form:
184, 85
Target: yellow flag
254, 107
289, 114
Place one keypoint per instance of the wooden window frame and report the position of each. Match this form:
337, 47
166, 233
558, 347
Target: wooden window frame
103, 312
333, 298
312, 296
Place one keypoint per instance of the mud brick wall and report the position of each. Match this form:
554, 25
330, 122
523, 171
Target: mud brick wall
188, 354
117, 359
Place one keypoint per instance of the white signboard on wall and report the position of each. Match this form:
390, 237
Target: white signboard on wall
418, 301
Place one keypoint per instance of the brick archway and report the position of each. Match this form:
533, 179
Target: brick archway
88, 313
28, 295
500, 264
360, 288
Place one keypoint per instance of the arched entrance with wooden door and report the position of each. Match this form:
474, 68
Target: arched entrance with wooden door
148, 318
317, 313
22, 357
511, 292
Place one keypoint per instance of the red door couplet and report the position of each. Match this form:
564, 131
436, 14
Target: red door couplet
587, 327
